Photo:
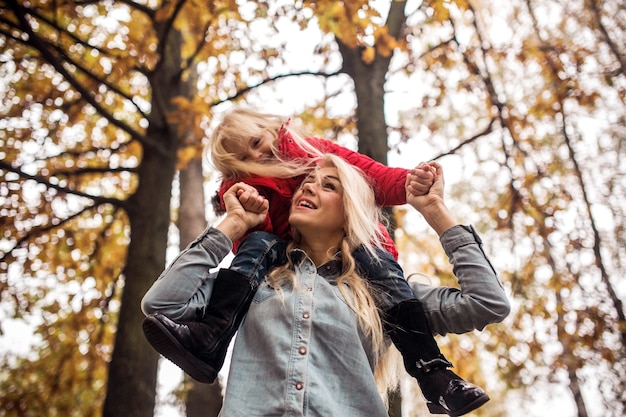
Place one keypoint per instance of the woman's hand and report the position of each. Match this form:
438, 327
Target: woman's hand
425, 185
245, 209
431, 205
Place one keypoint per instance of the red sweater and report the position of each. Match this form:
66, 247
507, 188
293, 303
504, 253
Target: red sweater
387, 182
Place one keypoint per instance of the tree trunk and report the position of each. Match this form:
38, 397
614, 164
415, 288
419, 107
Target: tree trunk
131, 386
192, 212
203, 400
133, 368
369, 86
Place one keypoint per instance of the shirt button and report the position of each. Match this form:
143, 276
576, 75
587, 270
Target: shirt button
306, 315
302, 350
309, 289
299, 386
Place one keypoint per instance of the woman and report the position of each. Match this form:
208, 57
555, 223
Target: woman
313, 338
263, 151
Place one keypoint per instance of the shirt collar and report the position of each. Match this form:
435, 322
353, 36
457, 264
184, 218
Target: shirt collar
329, 269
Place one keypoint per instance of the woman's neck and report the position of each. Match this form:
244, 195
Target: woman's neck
319, 251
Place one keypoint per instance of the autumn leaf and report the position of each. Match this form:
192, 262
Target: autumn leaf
368, 54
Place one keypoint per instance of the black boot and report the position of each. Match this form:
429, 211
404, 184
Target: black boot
445, 392
199, 347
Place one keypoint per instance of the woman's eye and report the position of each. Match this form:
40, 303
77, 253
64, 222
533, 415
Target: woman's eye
330, 186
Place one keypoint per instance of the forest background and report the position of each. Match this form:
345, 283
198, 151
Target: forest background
106, 106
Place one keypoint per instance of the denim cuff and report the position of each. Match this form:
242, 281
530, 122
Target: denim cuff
458, 236
215, 241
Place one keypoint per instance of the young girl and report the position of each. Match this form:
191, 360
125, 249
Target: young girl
262, 151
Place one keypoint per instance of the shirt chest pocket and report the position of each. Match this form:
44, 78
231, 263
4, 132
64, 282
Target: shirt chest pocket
340, 290
267, 291
264, 292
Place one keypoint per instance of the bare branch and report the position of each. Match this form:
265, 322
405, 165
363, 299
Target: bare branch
269, 80
142, 8
593, 4
93, 170
44, 181
165, 31
597, 244
99, 80
466, 142
40, 230
51, 58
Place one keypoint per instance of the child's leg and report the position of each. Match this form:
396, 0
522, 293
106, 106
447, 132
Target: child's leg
199, 347
405, 322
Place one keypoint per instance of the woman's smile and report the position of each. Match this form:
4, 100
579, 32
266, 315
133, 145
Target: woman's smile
317, 210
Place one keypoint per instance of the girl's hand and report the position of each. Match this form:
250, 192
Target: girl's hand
431, 205
245, 209
422, 178
424, 185
253, 201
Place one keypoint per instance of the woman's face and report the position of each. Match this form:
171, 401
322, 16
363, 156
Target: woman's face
317, 206
257, 149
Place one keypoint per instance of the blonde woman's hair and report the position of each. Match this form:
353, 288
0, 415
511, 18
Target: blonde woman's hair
237, 128
362, 217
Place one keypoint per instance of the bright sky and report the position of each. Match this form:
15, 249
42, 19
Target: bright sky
294, 94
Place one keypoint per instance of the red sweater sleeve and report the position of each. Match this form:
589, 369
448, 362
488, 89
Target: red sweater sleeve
388, 182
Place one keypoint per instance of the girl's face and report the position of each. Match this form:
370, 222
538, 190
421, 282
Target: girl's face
257, 149
317, 206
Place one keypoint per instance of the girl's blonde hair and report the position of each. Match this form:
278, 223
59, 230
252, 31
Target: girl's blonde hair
362, 217
241, 125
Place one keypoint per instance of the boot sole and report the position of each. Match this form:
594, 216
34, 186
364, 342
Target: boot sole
166, 344
438, 409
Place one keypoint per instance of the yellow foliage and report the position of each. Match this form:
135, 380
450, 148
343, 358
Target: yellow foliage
385, 43
368, 54
183, 103
546, 83
441, 10
187, 154
187, 118
333, 19
166, 10
350, 21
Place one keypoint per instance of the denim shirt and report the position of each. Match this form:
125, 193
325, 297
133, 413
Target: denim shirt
301, 353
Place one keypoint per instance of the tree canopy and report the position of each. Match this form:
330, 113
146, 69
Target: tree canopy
104, 102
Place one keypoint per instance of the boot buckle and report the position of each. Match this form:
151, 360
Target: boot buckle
428, 366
